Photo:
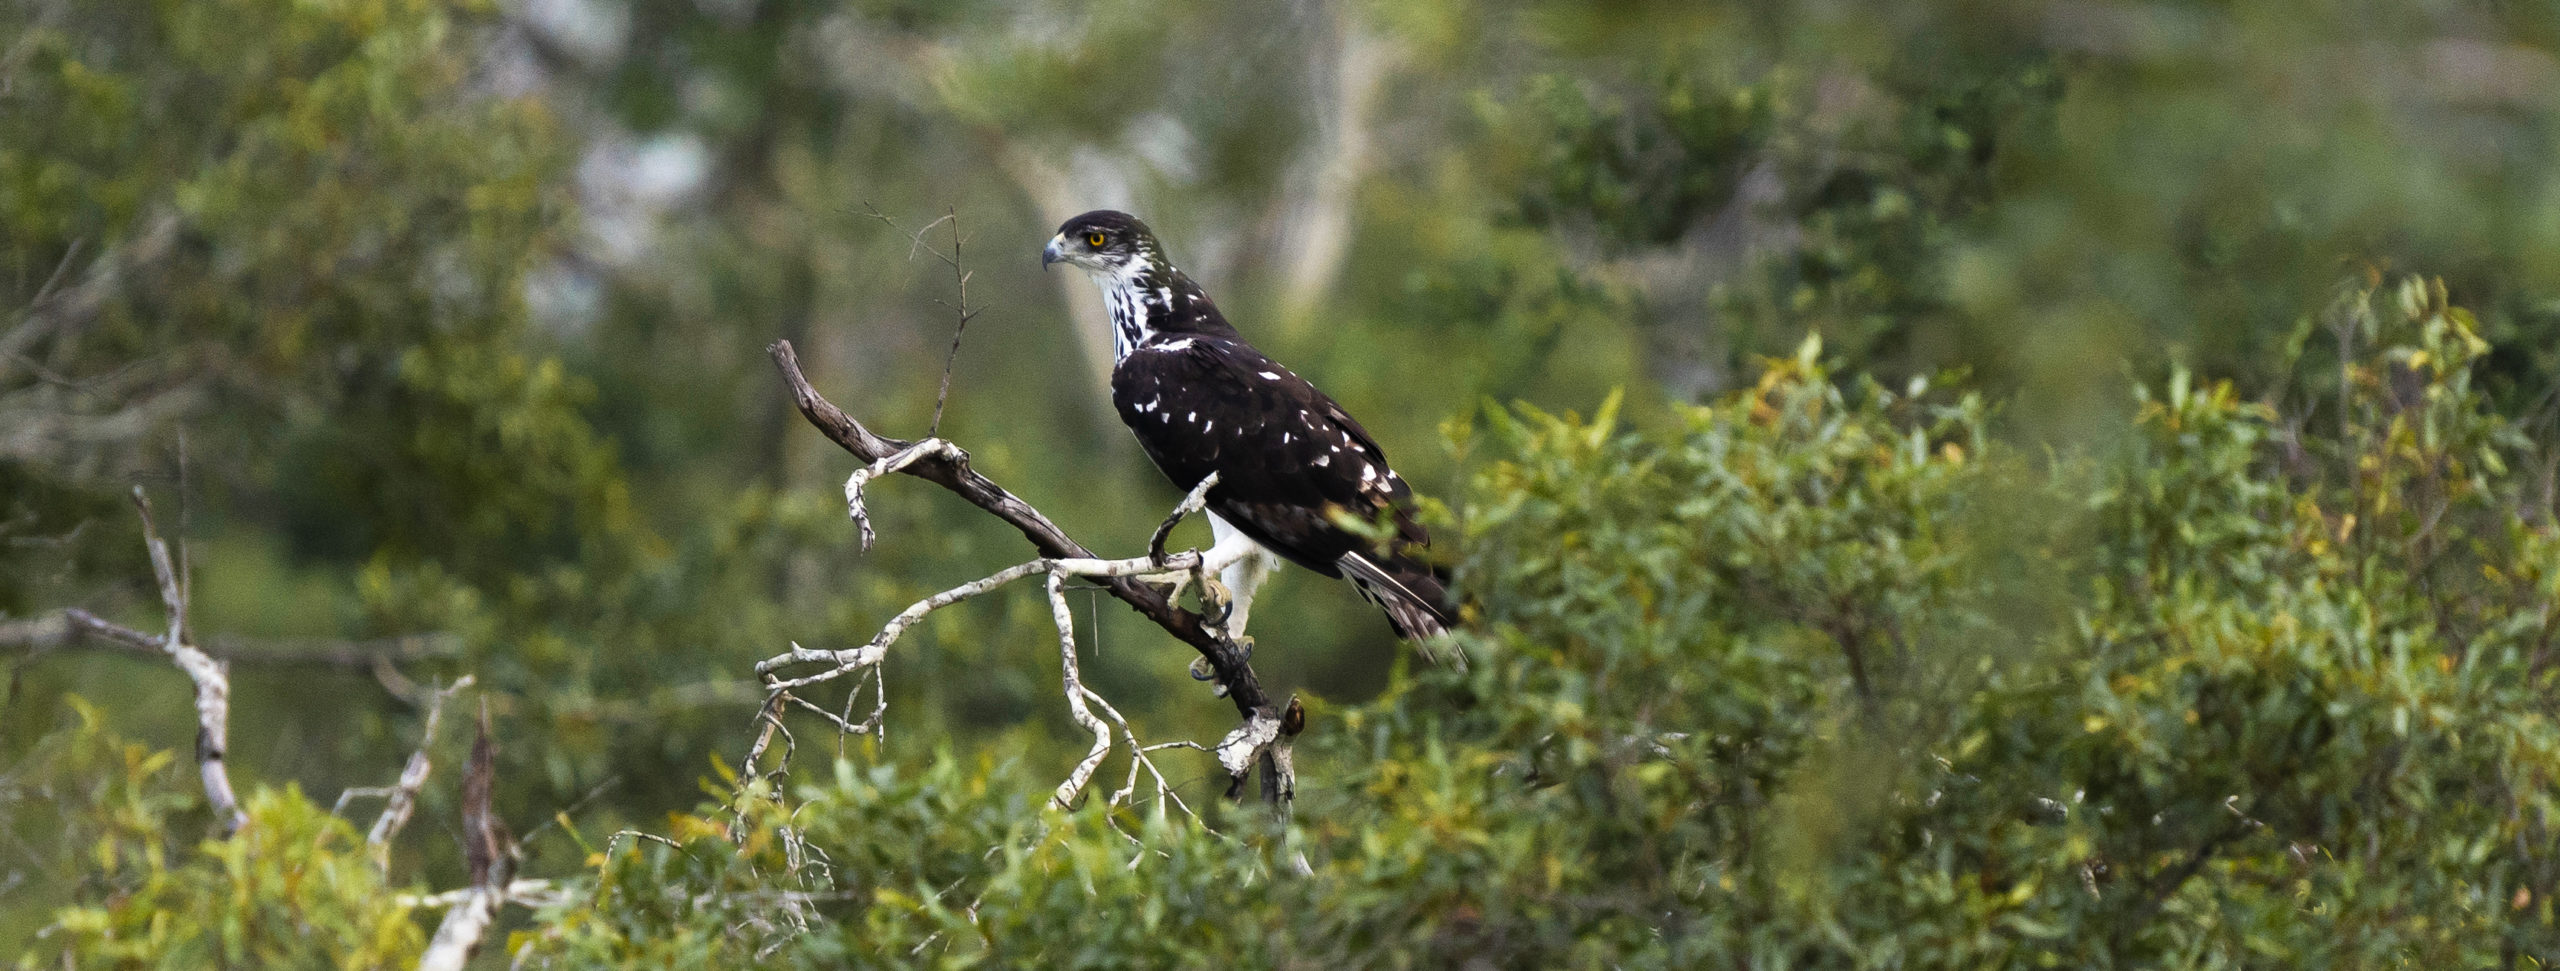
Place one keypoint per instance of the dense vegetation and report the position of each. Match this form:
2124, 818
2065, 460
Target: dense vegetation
2065, 484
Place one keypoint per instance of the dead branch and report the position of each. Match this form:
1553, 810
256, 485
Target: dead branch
403, 797
522, 893
74, 627
960, 275
1073, 680
213, 687
948, 466
491, 853
868, 658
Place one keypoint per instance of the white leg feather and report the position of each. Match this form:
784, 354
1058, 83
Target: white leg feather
1242, 565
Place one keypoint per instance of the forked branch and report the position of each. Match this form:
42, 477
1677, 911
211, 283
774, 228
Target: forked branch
948, 466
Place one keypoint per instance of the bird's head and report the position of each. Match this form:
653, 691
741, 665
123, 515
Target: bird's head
1105, 242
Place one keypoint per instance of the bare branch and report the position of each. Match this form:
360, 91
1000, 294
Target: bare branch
1138, 759
950, 469
491, 854
651, 837
459, 935
960, 279
76, 627
1073, 680
403, 797
869, 655
59, 309
954, 474
770, 716
853, 485
523, 893
213, 687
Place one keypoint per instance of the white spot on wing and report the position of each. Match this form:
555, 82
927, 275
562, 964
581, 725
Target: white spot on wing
1270, 375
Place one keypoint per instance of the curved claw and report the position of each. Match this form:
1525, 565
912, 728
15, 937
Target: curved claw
1202, 671
1217, 604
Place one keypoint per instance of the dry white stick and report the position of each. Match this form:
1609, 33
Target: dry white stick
931, 447
1156, 564
1138, 758
770, 717
1074, 683
462, 928
523, 893
851, 660
213, 688
404, 796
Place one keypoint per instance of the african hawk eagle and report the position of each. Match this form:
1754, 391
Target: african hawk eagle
1291, 463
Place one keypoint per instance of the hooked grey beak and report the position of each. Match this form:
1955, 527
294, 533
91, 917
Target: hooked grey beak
1057, 252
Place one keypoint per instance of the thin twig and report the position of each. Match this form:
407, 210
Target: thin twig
870, 654
71, 626
960, 279
960, 275
403, 797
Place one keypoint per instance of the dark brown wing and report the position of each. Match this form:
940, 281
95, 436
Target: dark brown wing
1286, 455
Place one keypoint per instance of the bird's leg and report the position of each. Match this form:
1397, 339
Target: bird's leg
1231, 546
1242, 577
1241, 565
1217, 607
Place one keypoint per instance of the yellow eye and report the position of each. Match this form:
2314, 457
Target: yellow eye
1093, 239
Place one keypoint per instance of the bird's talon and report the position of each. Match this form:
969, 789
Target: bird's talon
1217, 603
1200, 669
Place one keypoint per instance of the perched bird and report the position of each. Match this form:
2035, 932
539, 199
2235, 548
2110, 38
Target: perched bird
1291, 464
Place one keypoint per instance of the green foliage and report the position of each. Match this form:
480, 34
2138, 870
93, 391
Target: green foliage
294, 890
1822, 675
458, 310
2153, 704
2032, 193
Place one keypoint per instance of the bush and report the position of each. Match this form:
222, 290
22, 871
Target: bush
1824, 674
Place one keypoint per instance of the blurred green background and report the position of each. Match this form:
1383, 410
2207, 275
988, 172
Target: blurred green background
444, 322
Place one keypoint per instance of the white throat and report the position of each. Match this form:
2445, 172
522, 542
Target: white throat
1133, 307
